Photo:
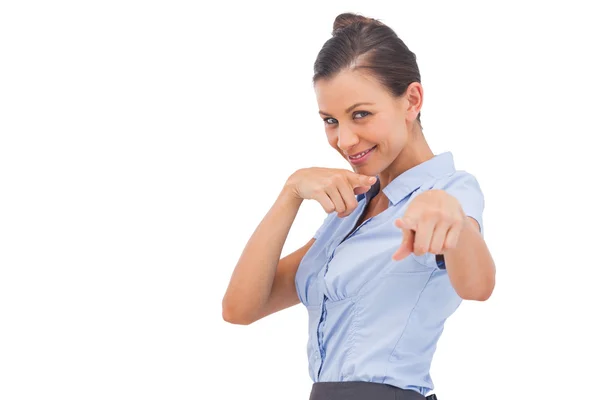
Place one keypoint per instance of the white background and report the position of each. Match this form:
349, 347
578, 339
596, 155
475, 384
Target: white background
142, 142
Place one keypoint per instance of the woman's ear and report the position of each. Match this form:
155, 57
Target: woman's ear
413, 99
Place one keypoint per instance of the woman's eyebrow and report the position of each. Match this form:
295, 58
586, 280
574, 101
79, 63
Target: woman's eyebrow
349, 108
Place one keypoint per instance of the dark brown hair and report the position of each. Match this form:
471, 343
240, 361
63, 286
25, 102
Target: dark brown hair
361, 42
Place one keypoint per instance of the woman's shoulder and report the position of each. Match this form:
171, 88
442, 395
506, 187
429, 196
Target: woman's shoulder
459, 183
465, 187
461, 178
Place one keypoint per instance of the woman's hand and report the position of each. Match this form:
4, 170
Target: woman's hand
334, 189
432, 223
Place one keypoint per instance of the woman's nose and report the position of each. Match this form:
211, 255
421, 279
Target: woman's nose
346, 138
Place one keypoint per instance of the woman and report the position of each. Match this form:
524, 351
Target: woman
401, 246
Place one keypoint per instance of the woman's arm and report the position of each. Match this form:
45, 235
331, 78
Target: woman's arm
435, 222
470, 266
261, 283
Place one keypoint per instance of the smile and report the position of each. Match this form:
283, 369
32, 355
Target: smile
360, 157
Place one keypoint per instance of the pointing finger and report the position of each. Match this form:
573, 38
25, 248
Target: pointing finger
357, 180
406, 247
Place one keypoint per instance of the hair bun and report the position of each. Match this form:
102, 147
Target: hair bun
347, 19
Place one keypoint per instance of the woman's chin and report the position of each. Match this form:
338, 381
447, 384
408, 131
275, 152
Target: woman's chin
364, 170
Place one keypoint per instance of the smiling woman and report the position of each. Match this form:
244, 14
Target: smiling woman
377, 304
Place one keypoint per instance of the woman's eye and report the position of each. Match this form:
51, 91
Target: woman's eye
332, 121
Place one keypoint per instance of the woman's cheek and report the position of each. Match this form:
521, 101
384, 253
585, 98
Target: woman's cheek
332, 139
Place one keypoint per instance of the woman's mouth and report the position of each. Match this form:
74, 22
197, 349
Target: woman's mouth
361, 157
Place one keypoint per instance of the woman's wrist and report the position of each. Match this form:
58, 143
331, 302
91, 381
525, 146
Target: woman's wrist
288, 194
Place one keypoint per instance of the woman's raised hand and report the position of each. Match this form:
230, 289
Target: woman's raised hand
335, 189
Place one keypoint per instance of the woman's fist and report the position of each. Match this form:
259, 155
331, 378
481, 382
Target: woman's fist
334, 189
432, 223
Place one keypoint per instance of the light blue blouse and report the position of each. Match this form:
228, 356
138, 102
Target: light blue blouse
372, 318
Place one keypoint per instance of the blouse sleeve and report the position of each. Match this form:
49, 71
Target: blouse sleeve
465, 188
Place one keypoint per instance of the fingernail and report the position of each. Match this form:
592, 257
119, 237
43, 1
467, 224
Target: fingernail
372, 179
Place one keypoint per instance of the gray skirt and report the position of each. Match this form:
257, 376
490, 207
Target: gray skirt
358, 390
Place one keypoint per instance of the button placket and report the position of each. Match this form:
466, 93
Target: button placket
324, 298
320, 346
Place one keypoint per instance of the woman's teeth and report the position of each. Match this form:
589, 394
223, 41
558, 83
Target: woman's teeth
359, 155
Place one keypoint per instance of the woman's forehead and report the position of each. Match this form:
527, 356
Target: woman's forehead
346, 88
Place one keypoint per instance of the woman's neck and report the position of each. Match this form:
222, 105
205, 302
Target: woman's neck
416, 152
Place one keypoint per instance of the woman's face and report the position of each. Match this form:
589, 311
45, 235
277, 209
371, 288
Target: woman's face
370, 135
